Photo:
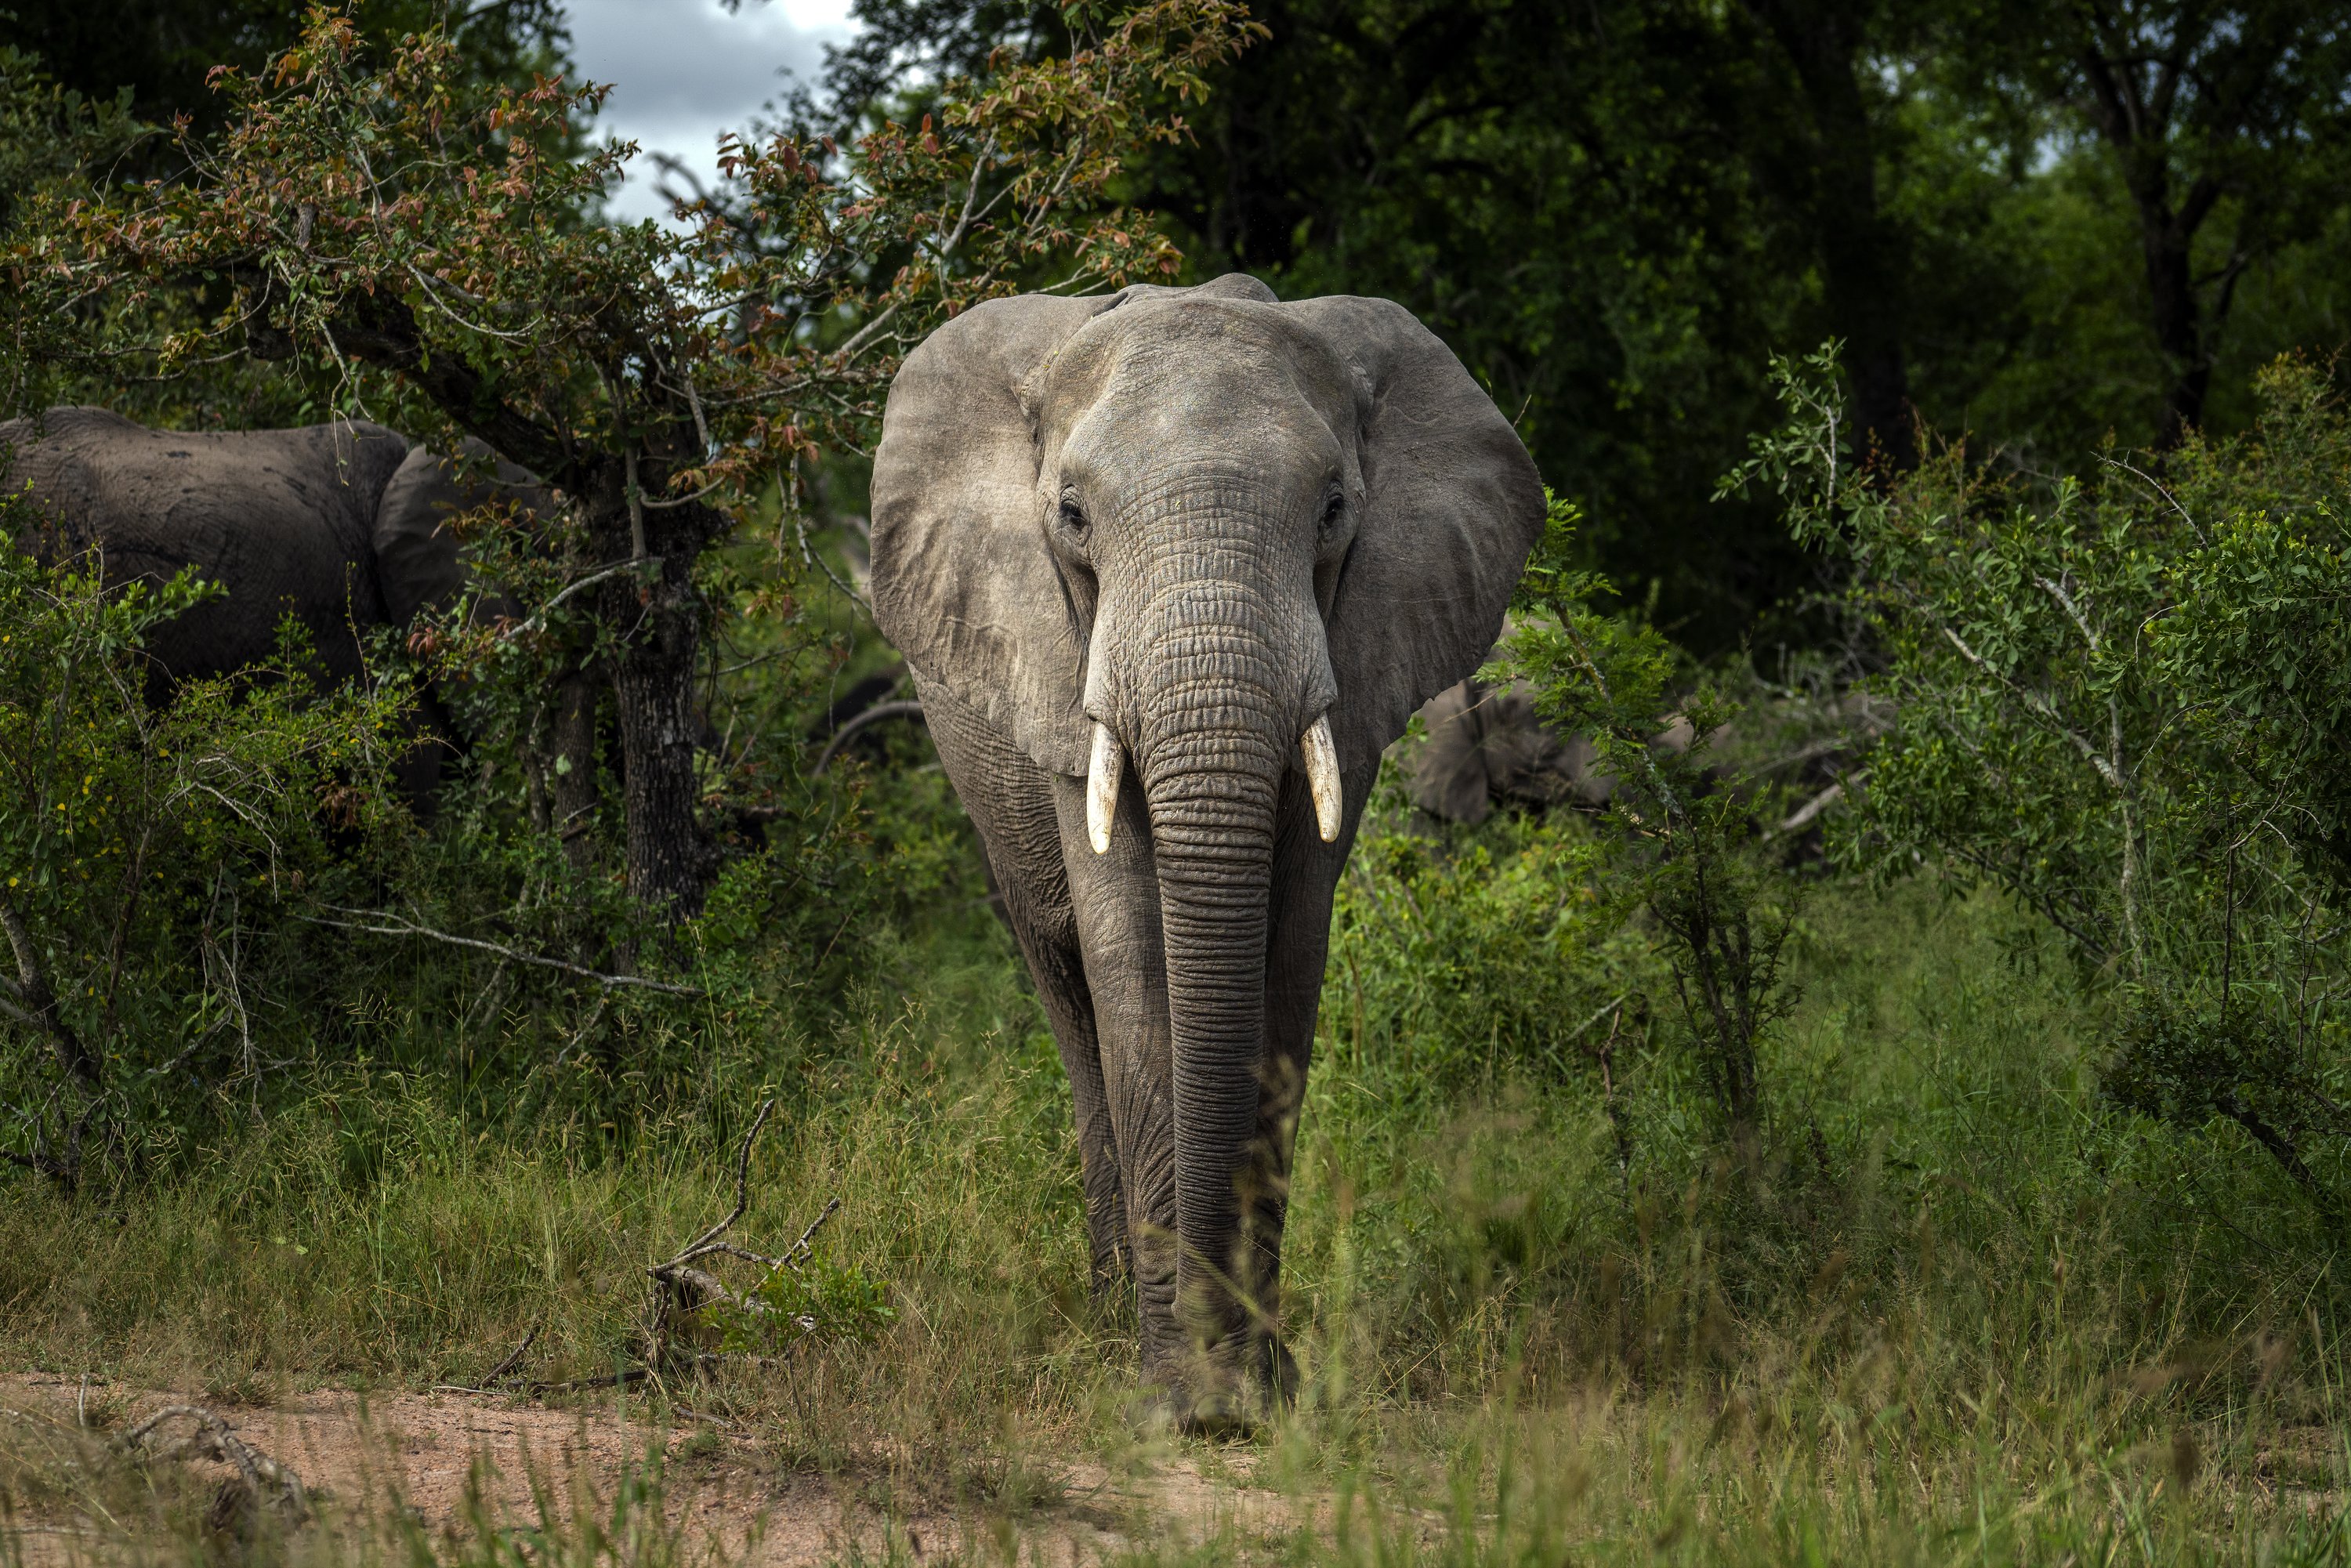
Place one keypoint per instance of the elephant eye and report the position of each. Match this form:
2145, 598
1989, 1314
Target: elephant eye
1073, 518
1333, 510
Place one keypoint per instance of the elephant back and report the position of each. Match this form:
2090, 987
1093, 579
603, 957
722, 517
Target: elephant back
281, 518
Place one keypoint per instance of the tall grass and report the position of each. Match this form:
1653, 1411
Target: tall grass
1955, 1307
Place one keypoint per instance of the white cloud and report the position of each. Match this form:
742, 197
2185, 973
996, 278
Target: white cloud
684, 70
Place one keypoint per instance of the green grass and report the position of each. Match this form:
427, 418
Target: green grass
1951, 1309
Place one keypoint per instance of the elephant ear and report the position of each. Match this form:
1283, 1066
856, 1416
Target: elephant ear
1451, 507
964, 583
416, 552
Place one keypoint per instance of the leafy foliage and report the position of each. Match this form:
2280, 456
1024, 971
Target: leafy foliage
816, 1299
157, 857
1724, 918
411, 238
49, 137
1463, 963
2120, 701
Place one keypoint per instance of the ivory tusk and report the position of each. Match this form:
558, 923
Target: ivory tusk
1102, 786
1322, 757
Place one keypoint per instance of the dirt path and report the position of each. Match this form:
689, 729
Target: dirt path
416, 1452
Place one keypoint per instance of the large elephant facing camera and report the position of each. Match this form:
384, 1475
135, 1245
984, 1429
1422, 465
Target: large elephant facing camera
1171, 569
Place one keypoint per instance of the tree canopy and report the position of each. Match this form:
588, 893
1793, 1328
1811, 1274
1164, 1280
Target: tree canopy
2047, 226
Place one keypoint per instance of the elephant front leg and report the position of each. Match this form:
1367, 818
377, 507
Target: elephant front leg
1114, 899
1010, 801
1068, 1009
1305, 878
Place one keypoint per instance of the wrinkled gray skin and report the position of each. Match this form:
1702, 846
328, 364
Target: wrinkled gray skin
1201, 519
1485, 744
340, 523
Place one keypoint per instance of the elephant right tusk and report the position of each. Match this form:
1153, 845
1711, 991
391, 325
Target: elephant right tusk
1322, 759
1102, 786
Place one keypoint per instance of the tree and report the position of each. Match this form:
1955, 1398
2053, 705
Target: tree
158, 52
1830, 48
1611, 212
2225, 122
412, 241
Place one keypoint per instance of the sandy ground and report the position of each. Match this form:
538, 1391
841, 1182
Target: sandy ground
415, 1451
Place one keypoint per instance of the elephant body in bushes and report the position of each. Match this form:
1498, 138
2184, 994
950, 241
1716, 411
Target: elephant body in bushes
1171, 569
339, 524
1485, 744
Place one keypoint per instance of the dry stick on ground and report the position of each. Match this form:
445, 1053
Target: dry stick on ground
489, 1380
260, 1476
682, 1289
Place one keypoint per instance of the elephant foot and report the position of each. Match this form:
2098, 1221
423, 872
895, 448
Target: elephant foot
1166, 1412
1205, 1399
1156, 1412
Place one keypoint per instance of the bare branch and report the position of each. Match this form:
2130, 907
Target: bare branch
742, 1190
873, 715
399, 926
212, 1439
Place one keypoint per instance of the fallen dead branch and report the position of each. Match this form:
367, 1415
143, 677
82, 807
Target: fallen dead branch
259, 1478
683, 1291
488, 1383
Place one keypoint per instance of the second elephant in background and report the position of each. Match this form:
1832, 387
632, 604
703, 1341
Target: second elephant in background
343, 526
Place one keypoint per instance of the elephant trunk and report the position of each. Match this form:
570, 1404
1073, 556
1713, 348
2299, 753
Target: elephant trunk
1227, 698
1211, 791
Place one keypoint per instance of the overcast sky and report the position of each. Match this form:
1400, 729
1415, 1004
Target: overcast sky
684, 70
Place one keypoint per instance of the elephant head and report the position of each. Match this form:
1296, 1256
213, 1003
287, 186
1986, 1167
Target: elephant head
417, 560
1188, 543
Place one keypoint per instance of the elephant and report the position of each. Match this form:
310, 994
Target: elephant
1228, 545
1485, 744
1488, 744
339, 524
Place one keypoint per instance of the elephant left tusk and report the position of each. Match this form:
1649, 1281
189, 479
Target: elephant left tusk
1322, 756
1101, 787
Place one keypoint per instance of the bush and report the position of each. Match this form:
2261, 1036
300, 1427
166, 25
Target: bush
158, 858
2123, 698
1684, 851
1488, 953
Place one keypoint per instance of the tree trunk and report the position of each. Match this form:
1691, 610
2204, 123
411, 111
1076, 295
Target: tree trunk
2135, 117
1864, 261
2167, 242
655, 612
657, 616
573, 787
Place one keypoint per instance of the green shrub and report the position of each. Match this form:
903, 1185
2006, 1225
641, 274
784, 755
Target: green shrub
158, 859
1683, 852
2124, 698
1490, 952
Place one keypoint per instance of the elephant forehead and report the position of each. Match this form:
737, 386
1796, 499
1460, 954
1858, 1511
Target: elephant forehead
1182, 364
